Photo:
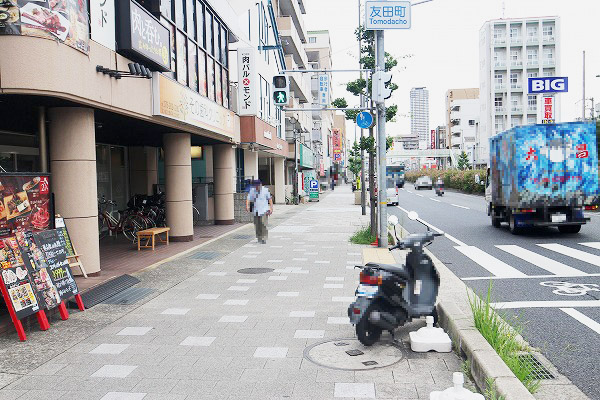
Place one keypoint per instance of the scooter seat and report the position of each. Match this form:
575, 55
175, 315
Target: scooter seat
394, 269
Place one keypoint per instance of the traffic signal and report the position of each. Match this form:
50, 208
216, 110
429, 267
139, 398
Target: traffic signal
281, 90
379, 89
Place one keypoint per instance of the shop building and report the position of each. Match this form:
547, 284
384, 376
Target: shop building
65, 109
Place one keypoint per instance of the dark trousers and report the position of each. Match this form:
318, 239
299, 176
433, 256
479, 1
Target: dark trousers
260, 224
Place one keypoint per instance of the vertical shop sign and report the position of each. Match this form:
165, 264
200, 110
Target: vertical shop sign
337, 145
102, 13
323, 90
548, 110
433, 138
247, 95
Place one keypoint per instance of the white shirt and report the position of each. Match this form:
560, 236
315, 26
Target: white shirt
260, 200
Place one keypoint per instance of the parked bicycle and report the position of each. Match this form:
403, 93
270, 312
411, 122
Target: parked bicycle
114, 222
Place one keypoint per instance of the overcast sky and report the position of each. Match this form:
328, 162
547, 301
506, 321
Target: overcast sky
444, 44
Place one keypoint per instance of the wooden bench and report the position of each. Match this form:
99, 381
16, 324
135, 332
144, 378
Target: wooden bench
150, 234
377, 255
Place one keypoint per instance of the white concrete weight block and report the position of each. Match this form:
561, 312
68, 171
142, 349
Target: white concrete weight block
430, 338
458, 392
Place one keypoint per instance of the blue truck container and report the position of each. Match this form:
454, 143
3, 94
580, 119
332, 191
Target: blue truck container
544, 175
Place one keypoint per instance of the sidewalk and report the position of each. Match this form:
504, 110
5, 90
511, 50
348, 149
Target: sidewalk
209, 331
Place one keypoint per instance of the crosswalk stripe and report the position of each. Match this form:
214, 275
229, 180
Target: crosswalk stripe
593, 245
492, 264
584, 319
574, 253
540, 261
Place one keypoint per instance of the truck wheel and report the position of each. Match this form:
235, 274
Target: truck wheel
569, 228
512, 225
495, 221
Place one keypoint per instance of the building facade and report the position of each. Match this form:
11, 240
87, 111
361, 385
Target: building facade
419, 116
462, 118
511, 51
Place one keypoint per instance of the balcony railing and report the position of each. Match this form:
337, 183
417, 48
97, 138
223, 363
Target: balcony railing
499, 41
516, 40
533, 63
549, 62
516, 85
531, 109
533, 40
516, 109
549, 39
500, 86
516, 63
500, 109
500, 64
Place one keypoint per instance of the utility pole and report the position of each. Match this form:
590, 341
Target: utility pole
583, 116
382, 187
363, 189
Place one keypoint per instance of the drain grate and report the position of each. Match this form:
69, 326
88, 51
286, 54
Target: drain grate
242, 237
105, 291
129, 296
205, 255
254, 271
536, 368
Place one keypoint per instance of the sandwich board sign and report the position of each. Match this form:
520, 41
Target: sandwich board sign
313, 189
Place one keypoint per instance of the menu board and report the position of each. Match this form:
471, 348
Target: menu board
24, 203
57, 264
16, 279
65, 21
65, 241
35, 261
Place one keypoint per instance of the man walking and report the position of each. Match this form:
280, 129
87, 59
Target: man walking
260, 204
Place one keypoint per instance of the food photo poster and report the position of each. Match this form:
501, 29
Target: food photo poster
24, 203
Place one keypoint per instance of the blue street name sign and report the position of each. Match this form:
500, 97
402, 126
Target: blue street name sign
548, 85
364, 120
380, 15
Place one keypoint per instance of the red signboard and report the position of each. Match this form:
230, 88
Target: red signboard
24, 203
433, 138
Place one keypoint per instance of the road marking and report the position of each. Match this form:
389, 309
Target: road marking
593, 245
489, 262
420, 195
432, 199
409, 191
455, 240
577, 254
542, 262
456, 205
584, 319
487, 278
546, 304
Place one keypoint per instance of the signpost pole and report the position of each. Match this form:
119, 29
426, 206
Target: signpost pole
363, 190
381, 172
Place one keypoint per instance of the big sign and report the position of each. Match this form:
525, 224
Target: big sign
548, 85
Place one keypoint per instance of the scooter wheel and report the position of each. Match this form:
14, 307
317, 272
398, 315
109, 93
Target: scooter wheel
367, 333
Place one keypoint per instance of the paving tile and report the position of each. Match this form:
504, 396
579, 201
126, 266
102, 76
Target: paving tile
302, 314
271, 352
156, 385
107, 348
341, 299
246, 281
288, 294
396, 390
114, 371
355, 390
123, 396
197, 341
239, 288
233, 318
176, 311
208, 296
333, 286
135, 331
338, 320
309, 334
334, 278
233, 302
277, 278
217, 273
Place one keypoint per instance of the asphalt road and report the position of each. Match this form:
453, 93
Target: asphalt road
528, 272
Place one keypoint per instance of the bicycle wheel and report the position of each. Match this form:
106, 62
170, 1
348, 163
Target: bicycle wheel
196, 214
132, 225
102, 227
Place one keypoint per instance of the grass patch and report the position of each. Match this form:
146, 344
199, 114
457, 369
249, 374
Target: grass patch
490, 391
503, 338
363, 236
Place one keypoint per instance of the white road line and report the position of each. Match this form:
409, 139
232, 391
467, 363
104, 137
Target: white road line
420, 195
432, 199
456, 205
546, 304
409, 191
489, 262
577, 254
550, 265
584, 319
455, 240
593, 245
487, 278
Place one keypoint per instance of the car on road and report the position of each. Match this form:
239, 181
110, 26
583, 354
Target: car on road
393, 197
423, 182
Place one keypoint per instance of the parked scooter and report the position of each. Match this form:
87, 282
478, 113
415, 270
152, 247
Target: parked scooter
390, 295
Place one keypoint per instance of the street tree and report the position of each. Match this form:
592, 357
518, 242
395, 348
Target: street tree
463, 161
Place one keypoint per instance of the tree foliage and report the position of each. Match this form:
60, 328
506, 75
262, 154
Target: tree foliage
463, 161
354, 160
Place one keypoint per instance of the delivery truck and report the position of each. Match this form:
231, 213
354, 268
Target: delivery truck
543, 175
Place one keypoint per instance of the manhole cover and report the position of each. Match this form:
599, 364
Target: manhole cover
255, 270
352, 355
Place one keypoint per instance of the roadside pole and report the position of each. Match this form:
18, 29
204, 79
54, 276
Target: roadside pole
363, 189
381, 143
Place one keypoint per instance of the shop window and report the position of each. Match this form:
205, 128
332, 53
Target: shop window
200, 24
216, 41
209, 32
166, 9
224, 47
191, 18
179, 14
193, 66
211, 78
202, 81
218, 89
225, 78
181, 58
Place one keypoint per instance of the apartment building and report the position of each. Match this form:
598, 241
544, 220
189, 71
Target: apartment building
419, 116
462, 118
510, 52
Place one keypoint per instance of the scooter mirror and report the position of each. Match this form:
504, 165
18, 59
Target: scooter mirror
413, 215
393, 220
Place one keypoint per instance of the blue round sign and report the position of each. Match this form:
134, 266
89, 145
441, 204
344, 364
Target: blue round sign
364, 120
